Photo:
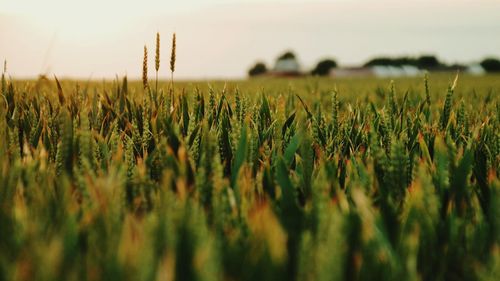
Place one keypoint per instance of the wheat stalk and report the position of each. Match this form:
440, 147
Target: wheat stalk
172, 60
145, 68
157, 58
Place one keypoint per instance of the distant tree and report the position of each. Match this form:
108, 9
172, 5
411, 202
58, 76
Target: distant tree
400, 61
323, 67
258, 69
491, 65
428, 62
287, 55
379, 61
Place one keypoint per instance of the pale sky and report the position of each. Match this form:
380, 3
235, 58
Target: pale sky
222, 39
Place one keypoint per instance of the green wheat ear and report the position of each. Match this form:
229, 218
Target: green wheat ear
335, 110
157, 59
64, 156
445, 116
60, 94
427, 90
172, 62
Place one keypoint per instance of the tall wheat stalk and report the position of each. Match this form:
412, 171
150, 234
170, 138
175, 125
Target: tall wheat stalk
145, 68
157, 59
172, 62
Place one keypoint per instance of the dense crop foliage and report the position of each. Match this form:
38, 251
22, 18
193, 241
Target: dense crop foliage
262, 182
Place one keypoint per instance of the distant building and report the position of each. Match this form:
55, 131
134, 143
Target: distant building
351, 72
393, 71
376, 71
475, 69
287, 66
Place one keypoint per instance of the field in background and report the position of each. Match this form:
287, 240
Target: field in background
262, 179
349, 88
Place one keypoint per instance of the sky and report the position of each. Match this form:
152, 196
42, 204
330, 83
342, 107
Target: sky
222, 39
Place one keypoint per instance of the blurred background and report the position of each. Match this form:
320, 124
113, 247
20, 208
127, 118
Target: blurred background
224, 39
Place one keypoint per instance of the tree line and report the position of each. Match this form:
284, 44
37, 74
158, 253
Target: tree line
427, 62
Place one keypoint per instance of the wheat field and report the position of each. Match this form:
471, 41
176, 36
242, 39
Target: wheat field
263, 179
